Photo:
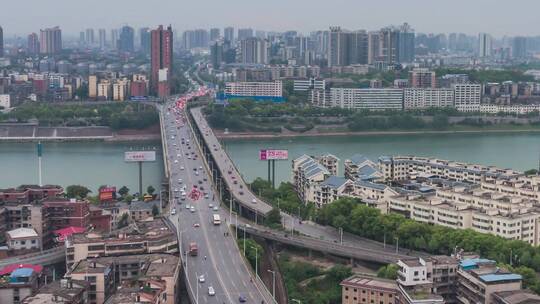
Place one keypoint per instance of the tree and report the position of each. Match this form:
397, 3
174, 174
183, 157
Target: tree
77, 191
150, 190
155, 210
123, 222
128, 198
123, 191
388, 272
531, 172
273, 217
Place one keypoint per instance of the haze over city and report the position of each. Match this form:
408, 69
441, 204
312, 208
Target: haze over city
471, 17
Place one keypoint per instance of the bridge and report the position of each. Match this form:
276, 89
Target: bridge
44, 258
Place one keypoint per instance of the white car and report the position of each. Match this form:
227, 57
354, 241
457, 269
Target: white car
192, 209
178, 155
211, 291
254, 201
207, 196
175, 189
182, 168
179, 180
176, 161
202, 279
173, 211
210, 205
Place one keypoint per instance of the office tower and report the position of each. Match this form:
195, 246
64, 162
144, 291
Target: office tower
216, 54
161, 60
228, 34
484, 45
405, 44
195, 39
254, 51
388, 45
422, 78
114, 38
82, 38
1, 42
126, 39
346, 48
245, 33
519, 47
50, 41
33, 44
144, 34
90, 37
452, 42
214, 34
102, 39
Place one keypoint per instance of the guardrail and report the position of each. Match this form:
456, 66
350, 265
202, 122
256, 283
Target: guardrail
45, 257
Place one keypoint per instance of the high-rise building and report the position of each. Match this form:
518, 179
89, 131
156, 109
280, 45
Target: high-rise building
50, 41
346, 48
90, 39
195, 39
82, 38
484, 45
373, 47
114, 38
161, 60
144, 34
519, 47
245, 33
422, 78
214, 34
33, 44
405, 44
216, 54
388, 40
102, 39
228, 34
126, 39
467, 97
254, 51
1, 42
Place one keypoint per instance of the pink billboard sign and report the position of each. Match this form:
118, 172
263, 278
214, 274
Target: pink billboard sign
273, 154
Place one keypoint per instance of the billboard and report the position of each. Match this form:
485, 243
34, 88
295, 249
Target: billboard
273, 154
140, 156
107, 193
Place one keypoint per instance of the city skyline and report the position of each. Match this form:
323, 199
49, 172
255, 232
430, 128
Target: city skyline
302, 15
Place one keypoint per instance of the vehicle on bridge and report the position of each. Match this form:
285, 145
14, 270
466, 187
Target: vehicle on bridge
193, 249
216, 219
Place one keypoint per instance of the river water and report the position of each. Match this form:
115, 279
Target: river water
97, 163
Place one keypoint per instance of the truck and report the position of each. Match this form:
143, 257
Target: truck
216, 219
193, 249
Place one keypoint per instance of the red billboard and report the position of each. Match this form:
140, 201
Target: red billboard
107, 194
273, 154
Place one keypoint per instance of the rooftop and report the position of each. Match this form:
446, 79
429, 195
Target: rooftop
22, 233
518, 297
56, 292
373, 282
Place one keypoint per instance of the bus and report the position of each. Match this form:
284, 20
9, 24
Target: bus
193, 250
215, 219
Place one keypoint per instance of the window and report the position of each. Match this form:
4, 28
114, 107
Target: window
23, 242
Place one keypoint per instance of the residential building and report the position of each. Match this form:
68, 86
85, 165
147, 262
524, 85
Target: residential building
363, 289
254, 51
515, 297
307, 174
90, 39
347, 48
18, 284
416, 98
519, 47
146, 40
98, 274
1, 42
330, 162
443, 271
65, 291
216, 54
480, 279
161, 59
245, 33
50, 41
256, 90
367, 99
329, 190
309, 84
415, 282
422, 78
23, 239
102, 38
32, 216
467, 97
228, 34
32, 46
104, 90
215, 34
140, 210
150, 236
92, 86
120, 89
484, 45
64, 213
126, 39
359, 167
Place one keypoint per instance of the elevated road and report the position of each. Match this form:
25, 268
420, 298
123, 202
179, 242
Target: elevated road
218, 260
44, 258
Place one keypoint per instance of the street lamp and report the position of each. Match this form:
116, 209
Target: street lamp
273, 283
244, 241
397, 244
341, 235
256, 268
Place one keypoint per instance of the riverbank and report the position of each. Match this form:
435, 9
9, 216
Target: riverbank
261, 135
34, 133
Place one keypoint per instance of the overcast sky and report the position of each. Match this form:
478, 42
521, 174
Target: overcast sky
518, 17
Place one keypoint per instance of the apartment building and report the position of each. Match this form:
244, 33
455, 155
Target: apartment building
18, 284
151, 236
309, 84
423, 98
257, 90
410, 167
64, 213
367, 99
480, 279
330, 162
64, 291
516, 297
467, 97
363, 289
331, 189
29, 193
32, 216
98, 274
415, 282
422, 78
359, 167
307, 174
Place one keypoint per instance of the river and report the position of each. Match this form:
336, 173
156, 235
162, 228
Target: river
98, 163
